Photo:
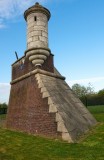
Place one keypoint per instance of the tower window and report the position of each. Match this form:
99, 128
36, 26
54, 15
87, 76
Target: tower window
35, 18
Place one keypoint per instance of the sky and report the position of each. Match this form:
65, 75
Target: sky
76, 38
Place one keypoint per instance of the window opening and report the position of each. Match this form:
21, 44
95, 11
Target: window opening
35, 18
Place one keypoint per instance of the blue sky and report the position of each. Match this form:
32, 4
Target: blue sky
76, 38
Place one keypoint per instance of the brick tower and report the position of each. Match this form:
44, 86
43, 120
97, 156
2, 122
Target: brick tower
41, 102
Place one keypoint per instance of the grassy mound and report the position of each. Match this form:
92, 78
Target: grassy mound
20, 146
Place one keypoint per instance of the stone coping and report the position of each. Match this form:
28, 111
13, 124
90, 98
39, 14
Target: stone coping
35, 72
37, 8
36, 48
18, 60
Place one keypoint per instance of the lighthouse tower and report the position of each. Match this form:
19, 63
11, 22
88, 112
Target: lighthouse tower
41, 102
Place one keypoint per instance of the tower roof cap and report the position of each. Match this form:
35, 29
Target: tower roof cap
37, 8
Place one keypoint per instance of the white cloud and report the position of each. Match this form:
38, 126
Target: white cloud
97, 82
9, 9
1, 23
4, 92
4, 84
95, 79
12, 8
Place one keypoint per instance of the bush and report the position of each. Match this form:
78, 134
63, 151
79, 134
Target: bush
94, 99
3, 108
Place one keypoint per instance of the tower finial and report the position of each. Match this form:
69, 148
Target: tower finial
37, 3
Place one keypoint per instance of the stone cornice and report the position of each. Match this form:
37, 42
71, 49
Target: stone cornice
37, 8
34, 48
34, 72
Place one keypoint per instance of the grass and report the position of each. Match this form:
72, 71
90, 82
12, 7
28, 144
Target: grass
2, 116
98, 112
2, 119
20, 146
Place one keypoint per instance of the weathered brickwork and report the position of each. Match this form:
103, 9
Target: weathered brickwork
28, 111
24, 66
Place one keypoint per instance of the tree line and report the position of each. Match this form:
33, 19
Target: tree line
88, 96
3, 108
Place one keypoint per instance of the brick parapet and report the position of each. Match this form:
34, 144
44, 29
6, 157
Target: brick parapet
24, 66
34, 72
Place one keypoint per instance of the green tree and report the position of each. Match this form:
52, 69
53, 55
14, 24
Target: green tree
3, 105
3, 108
81, 90
101, 92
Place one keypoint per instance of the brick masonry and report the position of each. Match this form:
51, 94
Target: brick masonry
24, 66
28, 111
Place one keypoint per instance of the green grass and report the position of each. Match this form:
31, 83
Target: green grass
2, 116
20, 146
96, 109
98, 112
2, 119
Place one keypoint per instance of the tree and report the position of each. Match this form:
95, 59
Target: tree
101, 92
3, 108
3, 105
81, 91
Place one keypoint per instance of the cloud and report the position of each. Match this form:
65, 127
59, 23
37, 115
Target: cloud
1, 23
95, 79
10, 9
4, 92
4, 84
97, 82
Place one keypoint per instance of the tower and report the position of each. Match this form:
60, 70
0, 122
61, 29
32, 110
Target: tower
37, 34
41, 102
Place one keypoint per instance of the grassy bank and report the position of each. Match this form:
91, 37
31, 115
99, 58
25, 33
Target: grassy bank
2, 116
20, 146
2, 119
98, 112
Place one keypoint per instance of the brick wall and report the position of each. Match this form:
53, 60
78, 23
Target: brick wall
28, 112
19, 68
